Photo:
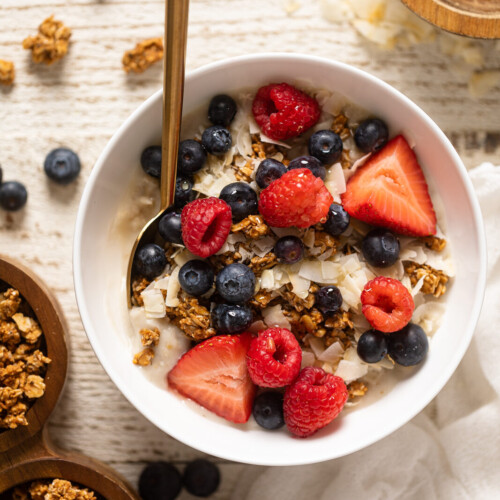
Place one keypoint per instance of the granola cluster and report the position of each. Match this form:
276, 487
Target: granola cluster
434, 280
50, 43
150, 337
7, 72
341, 128
143, 55
22, 360
58, 489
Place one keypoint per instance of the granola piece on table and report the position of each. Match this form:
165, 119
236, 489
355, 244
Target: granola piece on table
143, 55
7, 72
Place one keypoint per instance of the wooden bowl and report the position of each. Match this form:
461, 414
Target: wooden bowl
474, 18
27, 453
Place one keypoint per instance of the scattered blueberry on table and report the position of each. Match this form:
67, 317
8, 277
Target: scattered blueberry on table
201, 478
13, 196
62, 165
160, 481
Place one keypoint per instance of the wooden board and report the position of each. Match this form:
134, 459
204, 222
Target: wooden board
475, 18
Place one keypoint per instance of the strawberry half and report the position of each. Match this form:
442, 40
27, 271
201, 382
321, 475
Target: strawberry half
214, 374
390, 190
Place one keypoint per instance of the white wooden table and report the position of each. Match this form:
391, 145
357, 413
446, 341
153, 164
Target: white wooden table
82, 100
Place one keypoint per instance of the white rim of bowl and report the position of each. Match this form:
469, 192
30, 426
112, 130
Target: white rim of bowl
408, 413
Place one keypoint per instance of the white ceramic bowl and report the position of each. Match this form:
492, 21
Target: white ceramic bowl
356, 429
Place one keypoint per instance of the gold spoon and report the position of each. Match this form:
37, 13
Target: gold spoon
176, 21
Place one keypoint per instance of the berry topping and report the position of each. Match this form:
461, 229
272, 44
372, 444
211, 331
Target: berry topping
151, 161
282, 111
216, 140
214, 374
313, 401
241, 198
13, 196
408, 346
328, 300
205, 225
326, 146
62, 165
389, 190
298, 198
387, 304
268, 410
160, 480
289, 249
268, 171
372, 346
196, 277
274, 358
338, 220
170, 228
150, 261
229, 319
221, 110
191, 157
201, 478
183, 191
371, 135
236, 283
380, 248
311, 163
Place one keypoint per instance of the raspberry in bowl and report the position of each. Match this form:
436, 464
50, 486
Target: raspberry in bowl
333, 249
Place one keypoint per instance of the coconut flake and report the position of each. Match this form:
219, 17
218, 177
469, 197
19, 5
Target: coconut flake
267, 279
173, 289
350, 370
317, 345
154, 305
335, 179
308, 359
273, 316
332, 353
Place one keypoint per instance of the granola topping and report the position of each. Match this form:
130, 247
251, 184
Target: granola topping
252, 227
150, 337
357, 389
145, 357
259, 264
7, 72
434, 280
434, 243
50, 43
57, 489
144, 55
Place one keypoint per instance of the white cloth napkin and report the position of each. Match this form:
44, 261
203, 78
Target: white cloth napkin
451, 450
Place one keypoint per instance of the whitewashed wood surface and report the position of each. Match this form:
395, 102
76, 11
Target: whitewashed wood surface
82, 100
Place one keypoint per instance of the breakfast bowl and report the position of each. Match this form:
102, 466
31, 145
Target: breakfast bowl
101, 254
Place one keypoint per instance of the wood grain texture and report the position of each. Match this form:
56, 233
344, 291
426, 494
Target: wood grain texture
82, 100
476, 18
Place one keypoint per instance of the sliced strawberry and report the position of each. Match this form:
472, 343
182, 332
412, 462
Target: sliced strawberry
389, 190
214, 374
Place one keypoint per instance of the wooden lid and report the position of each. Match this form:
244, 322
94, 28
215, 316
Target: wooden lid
474, 18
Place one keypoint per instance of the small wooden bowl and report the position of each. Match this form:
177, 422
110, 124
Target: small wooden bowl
474, 18
26, 453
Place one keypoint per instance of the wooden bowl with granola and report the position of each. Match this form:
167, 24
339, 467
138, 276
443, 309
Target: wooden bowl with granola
33, 367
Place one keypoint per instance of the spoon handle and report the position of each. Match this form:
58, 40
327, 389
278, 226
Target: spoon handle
176, 22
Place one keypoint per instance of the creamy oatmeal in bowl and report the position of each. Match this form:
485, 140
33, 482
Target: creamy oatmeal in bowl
309, 265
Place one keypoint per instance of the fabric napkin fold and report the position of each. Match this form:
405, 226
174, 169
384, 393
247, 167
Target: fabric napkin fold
451, 450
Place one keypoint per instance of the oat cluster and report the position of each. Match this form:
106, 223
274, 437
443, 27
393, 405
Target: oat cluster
50, 43
22, 360
150, 337
7, 72
58, 489
144, 55
434, 280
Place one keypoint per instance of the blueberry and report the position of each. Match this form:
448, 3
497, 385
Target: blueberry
170, 228
310, 162
221, 110
62, 165
229, 319
216, 140
328, 300
268, 171
408, 346
380, 248
371, 135
196, 277
372, 346
151, 161
326, 146
201, 478
191, 157
13, 196
150, 261
338, 220
160, 480
183, 191
241, 198
268, 410
236, 283
289, 249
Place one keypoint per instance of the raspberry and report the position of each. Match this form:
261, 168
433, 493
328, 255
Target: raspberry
282, 111
297, 198
205, 225
274, 358
387, 304
313, 401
